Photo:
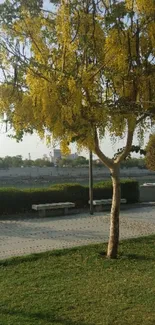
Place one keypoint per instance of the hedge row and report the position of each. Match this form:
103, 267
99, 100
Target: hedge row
14, 200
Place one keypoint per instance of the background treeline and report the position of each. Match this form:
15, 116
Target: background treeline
18, 161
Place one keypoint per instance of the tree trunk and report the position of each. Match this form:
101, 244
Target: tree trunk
115, 210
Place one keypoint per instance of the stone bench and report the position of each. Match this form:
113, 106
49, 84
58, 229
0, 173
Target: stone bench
100, 203
44, 208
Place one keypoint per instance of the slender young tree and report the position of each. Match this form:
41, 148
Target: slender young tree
79, 71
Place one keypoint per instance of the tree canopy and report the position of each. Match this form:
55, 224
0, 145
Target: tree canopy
89, 63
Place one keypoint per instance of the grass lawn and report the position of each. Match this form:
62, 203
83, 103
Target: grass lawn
80, 287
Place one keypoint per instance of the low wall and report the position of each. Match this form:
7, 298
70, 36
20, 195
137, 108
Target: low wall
75, 172
49, 171
147, 193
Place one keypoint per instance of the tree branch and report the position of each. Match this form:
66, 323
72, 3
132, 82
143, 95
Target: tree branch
142, 118
26, 61
107, 161
128, 146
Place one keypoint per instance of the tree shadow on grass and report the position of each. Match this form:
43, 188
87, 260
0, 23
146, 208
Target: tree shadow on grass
128, 257
49, 317
137, 257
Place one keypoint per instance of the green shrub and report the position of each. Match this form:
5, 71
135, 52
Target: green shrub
73, 192
129, 190
14, 200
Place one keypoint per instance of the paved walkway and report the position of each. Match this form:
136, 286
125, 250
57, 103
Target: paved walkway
25, 236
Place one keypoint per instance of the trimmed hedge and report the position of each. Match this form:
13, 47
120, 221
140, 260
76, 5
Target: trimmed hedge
129, 190
14, 200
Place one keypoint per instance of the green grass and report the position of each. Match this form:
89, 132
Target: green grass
80, 287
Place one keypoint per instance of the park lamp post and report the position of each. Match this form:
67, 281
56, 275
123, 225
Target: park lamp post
91, 181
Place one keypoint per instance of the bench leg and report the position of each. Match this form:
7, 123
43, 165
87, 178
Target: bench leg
42, 213
99, 208
66, 211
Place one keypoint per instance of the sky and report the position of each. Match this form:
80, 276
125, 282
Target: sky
32, 145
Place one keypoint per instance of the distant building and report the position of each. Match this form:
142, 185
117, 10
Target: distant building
72, 156
56, 155
46, 158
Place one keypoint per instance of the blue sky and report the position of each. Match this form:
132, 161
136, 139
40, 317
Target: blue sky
37, 148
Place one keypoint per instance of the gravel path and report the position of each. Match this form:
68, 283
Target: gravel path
25, 236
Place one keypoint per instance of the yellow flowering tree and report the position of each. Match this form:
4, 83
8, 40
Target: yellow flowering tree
79, 71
